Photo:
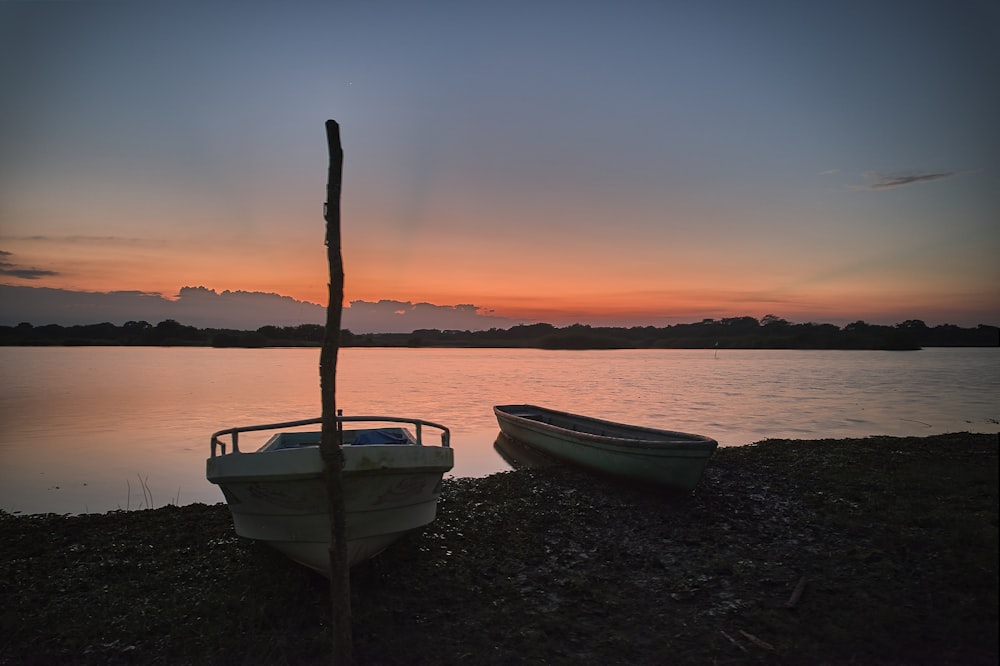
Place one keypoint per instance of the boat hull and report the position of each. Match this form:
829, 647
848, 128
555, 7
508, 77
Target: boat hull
666, 458
280, 497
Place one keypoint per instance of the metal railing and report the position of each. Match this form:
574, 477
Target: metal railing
418, 425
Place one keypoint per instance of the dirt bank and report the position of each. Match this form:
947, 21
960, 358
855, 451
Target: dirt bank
873, 551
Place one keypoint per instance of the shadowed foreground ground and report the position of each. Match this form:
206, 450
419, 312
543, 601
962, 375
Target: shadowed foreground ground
873, 551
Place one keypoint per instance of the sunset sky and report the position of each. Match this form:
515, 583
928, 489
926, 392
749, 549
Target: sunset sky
611, 163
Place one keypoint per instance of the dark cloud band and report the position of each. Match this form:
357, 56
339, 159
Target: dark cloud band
884, 181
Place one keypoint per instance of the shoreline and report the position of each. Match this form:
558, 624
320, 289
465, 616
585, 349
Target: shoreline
875, 550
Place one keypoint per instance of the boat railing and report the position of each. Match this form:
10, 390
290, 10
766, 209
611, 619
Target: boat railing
234, 433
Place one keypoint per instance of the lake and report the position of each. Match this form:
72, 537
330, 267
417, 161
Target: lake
94, 429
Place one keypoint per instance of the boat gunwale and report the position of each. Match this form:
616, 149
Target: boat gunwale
310, 465
341, 419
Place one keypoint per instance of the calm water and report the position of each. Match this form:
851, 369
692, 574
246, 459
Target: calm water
93, 429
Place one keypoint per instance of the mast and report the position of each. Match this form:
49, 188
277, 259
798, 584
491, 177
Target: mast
331, 441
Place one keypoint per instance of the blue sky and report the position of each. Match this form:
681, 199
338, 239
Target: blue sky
607, 163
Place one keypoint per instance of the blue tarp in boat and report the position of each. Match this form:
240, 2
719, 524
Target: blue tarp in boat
383, 436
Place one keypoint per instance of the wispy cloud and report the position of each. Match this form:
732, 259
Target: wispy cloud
13, 270
26, 273
83, 240
883, 181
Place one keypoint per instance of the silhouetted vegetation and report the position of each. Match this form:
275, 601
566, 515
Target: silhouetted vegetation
770, 332
167, 333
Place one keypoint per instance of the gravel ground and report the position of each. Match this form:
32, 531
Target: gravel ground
873, 551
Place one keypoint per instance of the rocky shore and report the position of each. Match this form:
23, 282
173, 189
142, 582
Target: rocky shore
872, 551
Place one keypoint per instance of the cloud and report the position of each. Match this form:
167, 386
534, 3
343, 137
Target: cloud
84, 240
26, 273
884, 181
242, 310
388, 316
22, 272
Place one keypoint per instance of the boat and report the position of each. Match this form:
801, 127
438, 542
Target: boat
277, 494
521, 456
673, 460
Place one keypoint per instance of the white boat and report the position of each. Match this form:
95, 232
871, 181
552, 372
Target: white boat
277, 494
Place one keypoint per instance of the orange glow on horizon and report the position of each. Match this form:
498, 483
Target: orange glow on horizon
607, 308
555, 280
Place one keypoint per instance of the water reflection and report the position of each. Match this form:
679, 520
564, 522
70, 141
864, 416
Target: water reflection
519, 455
79, 427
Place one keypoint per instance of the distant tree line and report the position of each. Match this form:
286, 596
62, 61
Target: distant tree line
166, 333
770, 332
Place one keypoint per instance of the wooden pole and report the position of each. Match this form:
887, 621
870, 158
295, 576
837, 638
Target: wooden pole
330, 443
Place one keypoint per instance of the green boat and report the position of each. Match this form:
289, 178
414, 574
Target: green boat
666, 458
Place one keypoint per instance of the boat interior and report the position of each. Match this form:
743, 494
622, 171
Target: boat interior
392, 436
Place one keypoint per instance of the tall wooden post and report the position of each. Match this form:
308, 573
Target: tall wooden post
330, 443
